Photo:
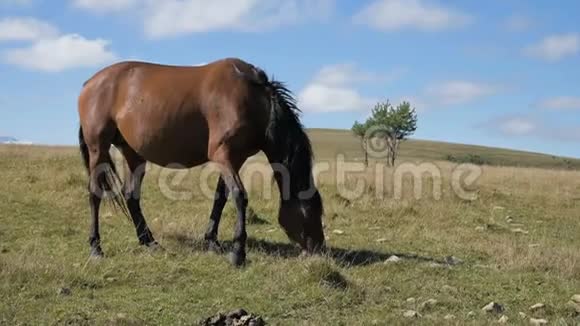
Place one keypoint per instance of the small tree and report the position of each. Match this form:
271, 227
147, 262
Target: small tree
393, 125
360, 130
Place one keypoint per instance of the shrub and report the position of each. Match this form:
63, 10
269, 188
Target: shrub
469, 158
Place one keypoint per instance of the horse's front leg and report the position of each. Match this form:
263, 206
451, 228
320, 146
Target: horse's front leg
230, 165
132, 192
239, 195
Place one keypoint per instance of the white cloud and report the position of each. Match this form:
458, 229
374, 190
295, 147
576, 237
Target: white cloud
332, 90
25, 29
556, 47
105, 5
169, 18
173, 18
60, 53
342, 74
516, 126
561, 103
324, 98
389, 15
530, 126
49, 50
451, 94
459, 92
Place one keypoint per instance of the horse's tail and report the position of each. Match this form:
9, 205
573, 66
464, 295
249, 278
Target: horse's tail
84, 149
111, 181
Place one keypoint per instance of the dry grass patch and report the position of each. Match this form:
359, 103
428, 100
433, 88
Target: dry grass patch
44, 250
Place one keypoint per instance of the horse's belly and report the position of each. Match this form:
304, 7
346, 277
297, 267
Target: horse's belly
176, 151
182, 144
178, 159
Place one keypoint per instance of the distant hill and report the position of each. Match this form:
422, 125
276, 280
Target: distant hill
6, 139
330, 142
12, 140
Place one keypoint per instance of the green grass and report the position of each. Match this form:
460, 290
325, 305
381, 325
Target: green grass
44, 219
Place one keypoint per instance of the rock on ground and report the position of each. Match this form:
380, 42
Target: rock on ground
411, 314
64, 291
453, 261
503, 320
428, 304
537, 306
536, 322
520, 231
234, 318
393, 259
437, 265
574, 306
493, 307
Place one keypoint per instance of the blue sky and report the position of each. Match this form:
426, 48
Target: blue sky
500, 73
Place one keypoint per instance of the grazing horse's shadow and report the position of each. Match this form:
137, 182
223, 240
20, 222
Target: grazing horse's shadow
343, 257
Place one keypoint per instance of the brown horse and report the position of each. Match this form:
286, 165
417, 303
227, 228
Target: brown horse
223, 112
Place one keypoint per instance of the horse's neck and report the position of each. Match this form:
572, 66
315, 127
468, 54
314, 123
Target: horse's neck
292, 175
292, 181
283, 179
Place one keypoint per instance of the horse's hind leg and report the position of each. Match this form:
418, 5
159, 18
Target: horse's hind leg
221, 197
94, 204
96, 155
132, 192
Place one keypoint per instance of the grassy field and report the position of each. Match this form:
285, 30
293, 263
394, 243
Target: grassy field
516, 243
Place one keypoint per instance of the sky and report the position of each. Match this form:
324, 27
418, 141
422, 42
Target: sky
502, 73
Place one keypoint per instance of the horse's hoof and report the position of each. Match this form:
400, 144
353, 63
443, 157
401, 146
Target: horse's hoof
214, 246
238, 260
154, 246
96, 253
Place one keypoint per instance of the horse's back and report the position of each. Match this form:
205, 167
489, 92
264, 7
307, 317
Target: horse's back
115, 72
176, 114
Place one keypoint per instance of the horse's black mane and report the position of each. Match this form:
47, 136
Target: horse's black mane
288, 137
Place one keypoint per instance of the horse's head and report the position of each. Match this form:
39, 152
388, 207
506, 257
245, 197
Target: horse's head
301, 219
